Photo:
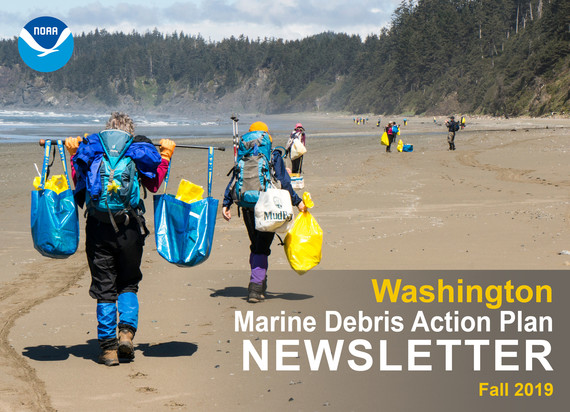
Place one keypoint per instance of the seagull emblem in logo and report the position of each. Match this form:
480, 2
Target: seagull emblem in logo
30, 41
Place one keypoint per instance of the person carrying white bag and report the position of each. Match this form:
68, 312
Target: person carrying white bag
255, 141
274, 211
296, 148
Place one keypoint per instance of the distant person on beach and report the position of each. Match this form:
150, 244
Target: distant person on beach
114, 240
297, 133
260, 242
452, 127
463, 122
390, 133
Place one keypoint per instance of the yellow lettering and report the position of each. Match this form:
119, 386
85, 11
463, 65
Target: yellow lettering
427, 294
386, 286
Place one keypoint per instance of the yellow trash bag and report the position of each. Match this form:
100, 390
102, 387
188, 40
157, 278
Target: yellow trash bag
189, 192
400, 145
384, 139
57, 183
303, 243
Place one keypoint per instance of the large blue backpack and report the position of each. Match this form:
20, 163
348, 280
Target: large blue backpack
120, 189
253, 171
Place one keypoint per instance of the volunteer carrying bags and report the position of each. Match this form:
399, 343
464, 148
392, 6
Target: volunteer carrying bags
53, 217
184, 232
303, 243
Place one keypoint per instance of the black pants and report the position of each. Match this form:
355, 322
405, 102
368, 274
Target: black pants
391, 139
114, 258
296, 165
260, 241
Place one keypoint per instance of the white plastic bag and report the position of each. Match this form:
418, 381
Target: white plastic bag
274, 211
298, 149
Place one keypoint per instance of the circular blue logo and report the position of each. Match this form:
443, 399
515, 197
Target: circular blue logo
45, 44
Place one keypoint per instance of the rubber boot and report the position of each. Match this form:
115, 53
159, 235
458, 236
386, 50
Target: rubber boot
107, 333
128, 307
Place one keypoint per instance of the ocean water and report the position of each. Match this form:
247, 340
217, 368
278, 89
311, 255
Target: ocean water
19, 126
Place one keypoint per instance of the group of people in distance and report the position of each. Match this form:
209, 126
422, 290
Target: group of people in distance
453, 126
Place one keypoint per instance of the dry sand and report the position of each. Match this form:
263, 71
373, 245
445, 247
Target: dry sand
500, 201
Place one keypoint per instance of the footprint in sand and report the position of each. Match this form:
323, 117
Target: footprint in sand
146, 389
138, 375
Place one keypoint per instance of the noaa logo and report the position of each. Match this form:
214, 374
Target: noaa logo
45, 44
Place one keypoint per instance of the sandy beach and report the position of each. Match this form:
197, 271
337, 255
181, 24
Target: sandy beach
499, 202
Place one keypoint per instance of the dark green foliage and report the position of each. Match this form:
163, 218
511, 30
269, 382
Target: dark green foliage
437, 56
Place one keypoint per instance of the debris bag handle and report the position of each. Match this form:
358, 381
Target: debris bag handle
210, 171
167, 174
46, 165
61, 148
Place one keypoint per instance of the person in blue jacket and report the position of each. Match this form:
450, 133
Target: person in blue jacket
260, 242
114, 242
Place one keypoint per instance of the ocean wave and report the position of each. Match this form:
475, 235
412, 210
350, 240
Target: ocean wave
51, 115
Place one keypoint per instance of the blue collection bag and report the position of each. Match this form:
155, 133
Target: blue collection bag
184, 232
53, 217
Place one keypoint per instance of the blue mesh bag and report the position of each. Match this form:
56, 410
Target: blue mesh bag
184, 232
53, 216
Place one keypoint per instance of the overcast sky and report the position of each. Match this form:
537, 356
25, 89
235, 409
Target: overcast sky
212, 19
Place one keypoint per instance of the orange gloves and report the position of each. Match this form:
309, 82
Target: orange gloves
166, 148
71, 144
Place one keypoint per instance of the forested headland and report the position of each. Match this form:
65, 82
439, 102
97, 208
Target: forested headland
497, 57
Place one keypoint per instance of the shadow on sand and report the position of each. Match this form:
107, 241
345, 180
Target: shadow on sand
90, 351
241, 292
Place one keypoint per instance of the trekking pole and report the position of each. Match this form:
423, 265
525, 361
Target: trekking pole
235, 121
184, 146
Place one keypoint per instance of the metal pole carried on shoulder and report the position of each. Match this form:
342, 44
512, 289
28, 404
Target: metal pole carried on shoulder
183, 146
235, 121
